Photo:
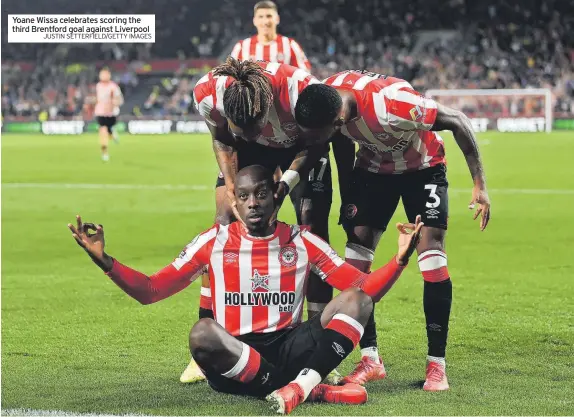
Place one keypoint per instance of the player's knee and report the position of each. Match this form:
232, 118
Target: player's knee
433, 265
356, 304
359, 256
203, 340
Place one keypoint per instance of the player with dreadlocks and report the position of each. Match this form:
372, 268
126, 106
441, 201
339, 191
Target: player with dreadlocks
249, 109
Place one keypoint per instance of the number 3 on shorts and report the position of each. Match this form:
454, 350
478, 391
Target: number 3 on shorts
435, 199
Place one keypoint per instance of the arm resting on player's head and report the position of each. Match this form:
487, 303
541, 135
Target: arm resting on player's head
151, 289
376, 284
461, 127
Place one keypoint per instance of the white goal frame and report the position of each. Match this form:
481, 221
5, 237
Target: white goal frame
547, 93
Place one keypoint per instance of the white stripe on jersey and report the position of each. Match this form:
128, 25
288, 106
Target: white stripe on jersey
272, 67
216, 264
391, 90
236, 50
245, 47
326, 249
274, 283
286, 50
219, 91
245, 286
363, 81
193, 247
293, 87
339, 80
300, 277
204, 108
259, 51
273, 52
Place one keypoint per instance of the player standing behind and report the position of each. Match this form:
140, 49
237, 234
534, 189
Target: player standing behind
109, 99
400, 156
268, 45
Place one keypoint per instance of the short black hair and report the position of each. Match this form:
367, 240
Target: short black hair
317, 106
257, 173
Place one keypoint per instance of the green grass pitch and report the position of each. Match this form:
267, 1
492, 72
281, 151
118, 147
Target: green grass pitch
73, 341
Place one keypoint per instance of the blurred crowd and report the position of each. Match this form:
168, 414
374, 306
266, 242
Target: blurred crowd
491, 44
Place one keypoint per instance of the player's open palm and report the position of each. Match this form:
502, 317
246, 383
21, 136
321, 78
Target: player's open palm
90, 237
409, 236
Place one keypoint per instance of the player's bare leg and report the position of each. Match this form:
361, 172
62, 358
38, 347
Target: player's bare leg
437, 300
104, 141
343, 321
359, 252
114, 134
223, 215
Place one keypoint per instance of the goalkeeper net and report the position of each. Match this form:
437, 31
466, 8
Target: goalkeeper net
512, 110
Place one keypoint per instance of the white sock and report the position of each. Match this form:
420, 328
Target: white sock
438, 360
307, 380
371, 353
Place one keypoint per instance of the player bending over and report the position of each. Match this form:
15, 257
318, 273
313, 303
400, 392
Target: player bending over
257, 345
249, 109
109, 99
400, 157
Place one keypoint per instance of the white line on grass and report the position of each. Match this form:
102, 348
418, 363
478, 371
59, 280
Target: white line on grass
184, 187
54, 413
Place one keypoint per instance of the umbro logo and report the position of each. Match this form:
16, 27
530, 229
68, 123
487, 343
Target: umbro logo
265, 378
432, 213
339, 349
230, 257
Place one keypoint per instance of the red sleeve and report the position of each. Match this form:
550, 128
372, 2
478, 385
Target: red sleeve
376, 284
410, 110
322, 258
191, 263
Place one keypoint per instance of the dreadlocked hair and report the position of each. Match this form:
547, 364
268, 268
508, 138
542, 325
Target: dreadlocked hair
247, 99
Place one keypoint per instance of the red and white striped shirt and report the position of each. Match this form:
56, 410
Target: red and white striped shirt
287, 83
258, 285
106, 92
282, 50
393, 123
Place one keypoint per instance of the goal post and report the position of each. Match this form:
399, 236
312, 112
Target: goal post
505, 110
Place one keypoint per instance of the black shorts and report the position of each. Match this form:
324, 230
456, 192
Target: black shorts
106, 121
318, 187
288, 350
373, 198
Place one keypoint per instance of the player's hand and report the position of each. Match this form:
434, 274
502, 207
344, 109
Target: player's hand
409, 236
480, 197
233, 204
279, 197
92, 243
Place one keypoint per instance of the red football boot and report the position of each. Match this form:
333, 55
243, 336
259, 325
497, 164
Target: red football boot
367, 370
284, 400
436, 378
339, 394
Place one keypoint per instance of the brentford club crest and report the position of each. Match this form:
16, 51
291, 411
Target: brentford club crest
288, 256
350, 211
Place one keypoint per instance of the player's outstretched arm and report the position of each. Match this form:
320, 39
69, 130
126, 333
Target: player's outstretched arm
461, 128
139, 286
342, 275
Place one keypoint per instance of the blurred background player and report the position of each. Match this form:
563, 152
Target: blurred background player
268, 45
401, 156
109, 99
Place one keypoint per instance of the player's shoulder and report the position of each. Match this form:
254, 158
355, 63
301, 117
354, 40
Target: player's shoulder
363, 80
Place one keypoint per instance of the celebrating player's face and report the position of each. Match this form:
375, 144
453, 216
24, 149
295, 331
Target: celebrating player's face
249, 133
266, 21
254, 203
